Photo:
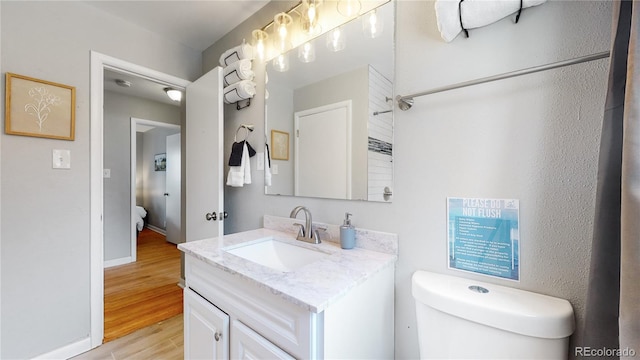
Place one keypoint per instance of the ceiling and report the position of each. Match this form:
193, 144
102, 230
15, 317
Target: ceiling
195, 23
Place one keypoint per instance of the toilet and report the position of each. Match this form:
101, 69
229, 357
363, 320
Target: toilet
466, 319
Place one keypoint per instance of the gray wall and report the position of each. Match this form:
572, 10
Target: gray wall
45, 264
534, 138
118, 111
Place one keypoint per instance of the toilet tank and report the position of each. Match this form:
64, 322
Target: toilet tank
466, 319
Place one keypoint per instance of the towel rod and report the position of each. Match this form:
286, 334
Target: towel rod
405, 102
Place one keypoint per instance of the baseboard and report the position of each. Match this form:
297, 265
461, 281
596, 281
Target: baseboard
68, 351
157, 229
117, 262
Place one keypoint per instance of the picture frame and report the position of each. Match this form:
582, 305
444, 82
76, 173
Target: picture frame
160, 162
39, 108
279, 145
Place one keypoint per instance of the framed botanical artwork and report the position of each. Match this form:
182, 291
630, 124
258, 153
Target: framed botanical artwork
279, 145
39, 108
160, 162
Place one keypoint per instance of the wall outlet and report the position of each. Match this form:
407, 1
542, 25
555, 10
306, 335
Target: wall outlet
61, 159
106, 173
274, 169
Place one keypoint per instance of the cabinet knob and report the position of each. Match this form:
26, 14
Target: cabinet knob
217, 336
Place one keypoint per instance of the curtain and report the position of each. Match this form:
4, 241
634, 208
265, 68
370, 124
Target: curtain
612, 316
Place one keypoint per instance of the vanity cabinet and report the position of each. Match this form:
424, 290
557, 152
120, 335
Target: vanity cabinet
229, 316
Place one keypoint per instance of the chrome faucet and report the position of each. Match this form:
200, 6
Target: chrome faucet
306, 232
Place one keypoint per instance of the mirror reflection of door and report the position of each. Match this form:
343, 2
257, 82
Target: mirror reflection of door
323, 136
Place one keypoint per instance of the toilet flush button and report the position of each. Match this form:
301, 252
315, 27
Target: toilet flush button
478, 289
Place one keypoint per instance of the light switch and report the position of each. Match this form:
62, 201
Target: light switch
61, 159
260, 161
106, 173
274, 169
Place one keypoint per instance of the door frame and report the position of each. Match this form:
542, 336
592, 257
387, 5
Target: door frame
134, 160
99, 62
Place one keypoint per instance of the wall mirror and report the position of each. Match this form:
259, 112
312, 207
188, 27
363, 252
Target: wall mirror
329, 122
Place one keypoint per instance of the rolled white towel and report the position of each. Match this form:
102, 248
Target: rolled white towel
244, 51
475, 14
241, 90
239, 70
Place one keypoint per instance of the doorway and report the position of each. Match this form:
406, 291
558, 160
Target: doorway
100, 63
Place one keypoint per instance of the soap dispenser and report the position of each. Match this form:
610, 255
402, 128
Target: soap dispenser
347, 233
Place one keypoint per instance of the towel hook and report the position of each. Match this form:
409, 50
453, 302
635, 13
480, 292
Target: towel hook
248, 128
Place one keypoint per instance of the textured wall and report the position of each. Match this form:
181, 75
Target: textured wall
534, 138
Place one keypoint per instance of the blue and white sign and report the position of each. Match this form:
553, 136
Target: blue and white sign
484, 236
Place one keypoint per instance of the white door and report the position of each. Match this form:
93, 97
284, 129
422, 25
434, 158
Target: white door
247, 344
172, 193
323, 136
206, 329
204, 165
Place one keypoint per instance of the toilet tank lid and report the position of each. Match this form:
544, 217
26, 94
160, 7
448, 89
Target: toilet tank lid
502, 307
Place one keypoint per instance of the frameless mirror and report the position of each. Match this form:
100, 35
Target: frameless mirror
329, 122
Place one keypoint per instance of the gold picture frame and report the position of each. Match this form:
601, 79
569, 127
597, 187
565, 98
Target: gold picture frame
39, 108
279, 145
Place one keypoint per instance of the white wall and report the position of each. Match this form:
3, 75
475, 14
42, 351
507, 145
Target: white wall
118, 111
534, 138
45, 233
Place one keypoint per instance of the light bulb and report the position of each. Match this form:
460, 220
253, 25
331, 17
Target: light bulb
259, 38
349, 8
281, 23
281, 62
372, 24
336, 39
306, 52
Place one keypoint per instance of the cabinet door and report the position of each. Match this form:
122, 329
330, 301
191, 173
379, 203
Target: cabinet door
206, 329
247, 344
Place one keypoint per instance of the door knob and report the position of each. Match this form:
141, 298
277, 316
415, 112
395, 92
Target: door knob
211, 216
217, 336
166, 194
223, 215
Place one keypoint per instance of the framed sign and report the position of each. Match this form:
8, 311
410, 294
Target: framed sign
279, 145
39, 108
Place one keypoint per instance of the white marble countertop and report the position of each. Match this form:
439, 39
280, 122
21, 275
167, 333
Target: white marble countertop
314, 286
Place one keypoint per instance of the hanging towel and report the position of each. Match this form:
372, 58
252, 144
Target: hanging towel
267, 166
474, 13
239, 70
240, 175
241, 90
244, 51
236, 152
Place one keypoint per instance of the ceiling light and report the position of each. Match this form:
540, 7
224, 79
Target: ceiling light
175, 95
123, 83
259, 39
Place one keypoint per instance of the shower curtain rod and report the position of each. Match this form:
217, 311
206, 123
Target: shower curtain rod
405, 102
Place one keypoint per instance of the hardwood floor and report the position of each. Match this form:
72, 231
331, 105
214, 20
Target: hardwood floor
143, 305
161, 341
143, 293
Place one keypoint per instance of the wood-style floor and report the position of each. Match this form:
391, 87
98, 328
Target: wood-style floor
143, 293
143, 304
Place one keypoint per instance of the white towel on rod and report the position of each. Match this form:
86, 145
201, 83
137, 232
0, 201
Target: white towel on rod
243, 51
241, 90
475, 14
240, 175
238, 71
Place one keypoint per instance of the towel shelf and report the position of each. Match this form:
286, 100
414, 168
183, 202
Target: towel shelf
405, 102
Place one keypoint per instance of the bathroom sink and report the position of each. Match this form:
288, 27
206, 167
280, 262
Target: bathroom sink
277, 255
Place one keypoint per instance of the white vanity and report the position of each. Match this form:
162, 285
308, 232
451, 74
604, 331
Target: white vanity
262, 294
